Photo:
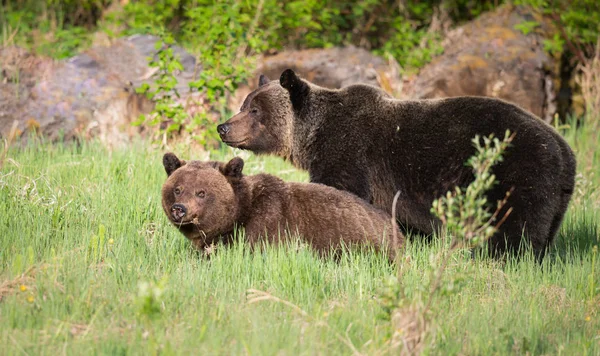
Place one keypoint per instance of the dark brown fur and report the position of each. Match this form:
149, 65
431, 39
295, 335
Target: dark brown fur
360, 139
217, 197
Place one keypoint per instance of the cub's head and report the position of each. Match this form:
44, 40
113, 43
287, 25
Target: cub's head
198, 197
264, 123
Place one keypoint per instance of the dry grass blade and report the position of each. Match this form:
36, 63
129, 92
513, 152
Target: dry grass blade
8, 35
11, 286
78, 329
410, 329
255, 296
394, 221
589, 81
11, 136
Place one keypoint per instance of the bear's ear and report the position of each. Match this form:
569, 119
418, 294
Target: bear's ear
172, 163
234, 168
263, 80
297, 88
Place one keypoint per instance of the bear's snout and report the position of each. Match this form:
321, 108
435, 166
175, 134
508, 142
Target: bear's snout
178, 211
223, 129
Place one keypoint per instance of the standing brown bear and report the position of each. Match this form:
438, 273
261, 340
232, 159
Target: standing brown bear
362, 140
207, 200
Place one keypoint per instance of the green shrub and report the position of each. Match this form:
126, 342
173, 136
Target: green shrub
56, 28
577, 22
400, 29
169, 115
219, 26
467, 223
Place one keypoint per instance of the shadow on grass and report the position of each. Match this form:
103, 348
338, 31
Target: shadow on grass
578, 236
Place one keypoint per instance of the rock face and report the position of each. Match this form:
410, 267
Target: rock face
333, 67
328, 67
89, 95
490, 57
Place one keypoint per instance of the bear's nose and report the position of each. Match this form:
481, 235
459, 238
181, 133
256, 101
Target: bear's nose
178, 211
223, 129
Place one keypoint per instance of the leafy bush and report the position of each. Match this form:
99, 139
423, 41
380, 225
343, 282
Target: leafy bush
169, 114
386, 27
467, 223
577, 25
164, 89
57, 28
401, 29
230, 36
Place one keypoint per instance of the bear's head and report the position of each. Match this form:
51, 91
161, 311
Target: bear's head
265, 121
198, 197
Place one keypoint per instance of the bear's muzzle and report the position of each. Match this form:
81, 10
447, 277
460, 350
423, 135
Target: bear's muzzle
178, 211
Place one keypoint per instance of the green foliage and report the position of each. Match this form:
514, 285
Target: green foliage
229, 35
594, 289
58, 29
169, 114
526, 27
466, 10
578, 24
78, 13
164, 89
405, 32
217, 30
411, 47
465, 211
149, 298
65, 42
149, 16
225, 33
554, 45
98, 245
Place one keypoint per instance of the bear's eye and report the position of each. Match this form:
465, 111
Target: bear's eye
254, 111
177, 191
201, 194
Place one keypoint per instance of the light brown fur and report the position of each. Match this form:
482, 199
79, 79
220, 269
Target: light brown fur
269, 209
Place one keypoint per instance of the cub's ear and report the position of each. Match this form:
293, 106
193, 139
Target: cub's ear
234, 168
172, 163
263, 80
297, 88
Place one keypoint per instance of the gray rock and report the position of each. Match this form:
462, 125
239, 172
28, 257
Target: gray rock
490, 57
89, 95
328, 67
333, 67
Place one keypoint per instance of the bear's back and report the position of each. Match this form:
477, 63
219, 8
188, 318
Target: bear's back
375, 145
329, 215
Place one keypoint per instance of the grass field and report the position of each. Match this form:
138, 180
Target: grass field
90, 265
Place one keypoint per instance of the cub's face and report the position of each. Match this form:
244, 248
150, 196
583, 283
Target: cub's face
198, 199
264, 123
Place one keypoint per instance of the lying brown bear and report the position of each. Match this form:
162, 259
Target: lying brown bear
207, 200
362, 140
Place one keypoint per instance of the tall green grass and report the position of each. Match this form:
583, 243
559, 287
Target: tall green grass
90, 264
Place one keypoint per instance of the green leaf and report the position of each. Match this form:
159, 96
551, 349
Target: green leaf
139, 121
